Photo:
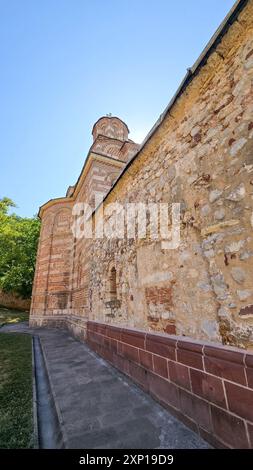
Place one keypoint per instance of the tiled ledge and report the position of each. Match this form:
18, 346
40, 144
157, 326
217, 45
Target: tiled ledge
207, 385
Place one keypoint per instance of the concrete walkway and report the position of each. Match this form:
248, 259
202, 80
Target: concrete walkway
98, 407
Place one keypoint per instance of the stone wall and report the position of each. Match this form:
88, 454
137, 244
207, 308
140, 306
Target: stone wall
207, 386
201, 156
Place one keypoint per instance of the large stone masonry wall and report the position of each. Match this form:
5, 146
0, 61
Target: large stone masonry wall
202, 157
208, 386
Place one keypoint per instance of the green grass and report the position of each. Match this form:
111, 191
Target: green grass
12, 316
16, 416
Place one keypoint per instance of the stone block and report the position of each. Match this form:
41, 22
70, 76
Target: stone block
139, 375
129, 352
179, 374
225, 363
207, 386
249, 369
196, 409
190, 353
113, 332
160, 366
229, 429
163, 390
146, 359
134, 338
240, 400
161, 345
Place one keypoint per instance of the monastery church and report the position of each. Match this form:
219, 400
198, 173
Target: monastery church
199, 154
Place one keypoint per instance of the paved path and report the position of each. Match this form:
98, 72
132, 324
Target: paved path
98, 407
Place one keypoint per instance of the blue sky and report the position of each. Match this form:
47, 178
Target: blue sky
65, 63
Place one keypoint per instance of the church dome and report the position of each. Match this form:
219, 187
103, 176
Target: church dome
110, 126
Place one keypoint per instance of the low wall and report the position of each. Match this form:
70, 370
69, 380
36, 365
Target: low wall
207, 386
12, 301
76, 325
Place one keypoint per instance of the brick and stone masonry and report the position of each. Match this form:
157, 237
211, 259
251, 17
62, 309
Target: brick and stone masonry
198, 154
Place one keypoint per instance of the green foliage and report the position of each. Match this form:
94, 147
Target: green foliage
18, 247
5, 204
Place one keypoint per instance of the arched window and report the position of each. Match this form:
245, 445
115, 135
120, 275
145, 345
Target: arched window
113, 284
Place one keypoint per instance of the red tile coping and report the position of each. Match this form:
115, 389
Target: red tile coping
208, 386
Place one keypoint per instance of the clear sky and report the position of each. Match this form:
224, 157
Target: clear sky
65, 63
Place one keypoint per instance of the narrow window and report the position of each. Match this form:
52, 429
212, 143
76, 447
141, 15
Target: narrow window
79, 271
79, 275
113, 284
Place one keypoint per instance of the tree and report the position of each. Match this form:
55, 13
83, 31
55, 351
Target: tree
5, 204
18, 246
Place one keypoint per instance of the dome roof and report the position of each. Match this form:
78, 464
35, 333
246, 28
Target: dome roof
110, 126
